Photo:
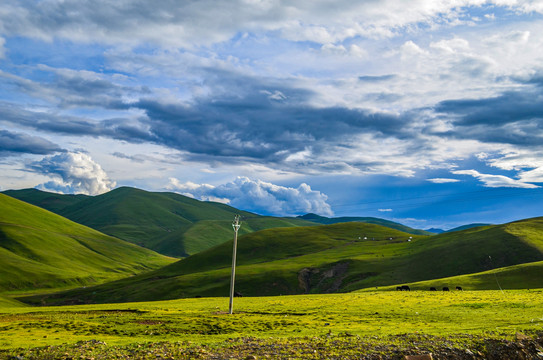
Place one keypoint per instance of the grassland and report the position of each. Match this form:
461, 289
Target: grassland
303, 326
39, 249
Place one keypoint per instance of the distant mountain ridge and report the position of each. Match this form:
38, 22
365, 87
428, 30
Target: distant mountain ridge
369, 220
435, 230
459, 228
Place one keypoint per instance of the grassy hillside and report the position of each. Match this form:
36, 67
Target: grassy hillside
370, 220
47, 200
39, 249
522, 276
330, 258
168, 223
468, 226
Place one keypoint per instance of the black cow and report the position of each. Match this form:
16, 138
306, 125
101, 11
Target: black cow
406, 288
433, 289
459, 288
445, 288
237, 294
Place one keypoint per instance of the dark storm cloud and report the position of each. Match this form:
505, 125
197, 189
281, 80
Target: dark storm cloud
514, 117
242, 117
245, 117
506, 108
70, 88
258, 123
122, 129
257, 117
17, 143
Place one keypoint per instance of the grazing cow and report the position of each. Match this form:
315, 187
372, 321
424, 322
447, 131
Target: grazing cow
459, 288
237, 294
399, 288
406, 288
433, 289
445, 288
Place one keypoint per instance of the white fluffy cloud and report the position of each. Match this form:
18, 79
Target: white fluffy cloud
258, 196
529, 164
73, 172
495, 181
442, 180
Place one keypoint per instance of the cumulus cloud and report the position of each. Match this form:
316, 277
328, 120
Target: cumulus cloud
73, 172
496, 181
259, 196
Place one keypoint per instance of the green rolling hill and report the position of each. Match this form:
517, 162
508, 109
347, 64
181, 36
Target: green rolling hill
39, 249
467, 226
168, 223
370, 220
329, 258
46, 200
522, 276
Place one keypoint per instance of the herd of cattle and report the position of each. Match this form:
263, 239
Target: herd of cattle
407, 288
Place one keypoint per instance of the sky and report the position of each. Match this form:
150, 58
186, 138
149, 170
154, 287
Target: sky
425, 112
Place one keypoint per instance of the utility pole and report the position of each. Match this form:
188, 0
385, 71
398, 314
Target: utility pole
236, 225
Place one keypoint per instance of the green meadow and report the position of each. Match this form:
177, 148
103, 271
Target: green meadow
380, 317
